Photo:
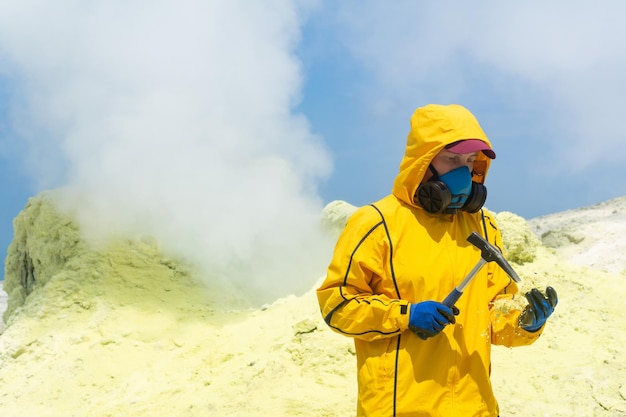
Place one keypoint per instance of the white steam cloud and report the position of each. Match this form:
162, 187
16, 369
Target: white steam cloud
175, 119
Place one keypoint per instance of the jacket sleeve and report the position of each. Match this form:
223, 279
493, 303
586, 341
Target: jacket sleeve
504, 310
505, 329
347, 299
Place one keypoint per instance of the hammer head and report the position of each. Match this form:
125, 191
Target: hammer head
490, 253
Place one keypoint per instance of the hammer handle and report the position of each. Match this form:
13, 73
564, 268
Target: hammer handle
452, 298
456, 293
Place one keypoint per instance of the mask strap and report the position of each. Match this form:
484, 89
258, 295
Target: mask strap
432, 169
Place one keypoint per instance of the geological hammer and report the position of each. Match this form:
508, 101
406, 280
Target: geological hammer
488, 253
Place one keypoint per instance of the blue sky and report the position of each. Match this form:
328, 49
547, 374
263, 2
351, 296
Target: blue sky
545, 81
324, 88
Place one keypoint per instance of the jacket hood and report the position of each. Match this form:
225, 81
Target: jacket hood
433, 127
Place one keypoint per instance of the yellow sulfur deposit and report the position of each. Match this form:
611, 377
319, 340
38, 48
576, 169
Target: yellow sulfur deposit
121, 330
124, 331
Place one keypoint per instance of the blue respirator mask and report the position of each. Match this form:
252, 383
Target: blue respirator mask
451, 192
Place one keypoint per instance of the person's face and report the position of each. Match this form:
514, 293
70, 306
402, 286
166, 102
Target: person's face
446, 161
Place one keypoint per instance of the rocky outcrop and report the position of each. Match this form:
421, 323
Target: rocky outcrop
43, 243
119, 328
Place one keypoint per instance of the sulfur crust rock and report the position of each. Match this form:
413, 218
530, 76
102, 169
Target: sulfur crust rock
121, 329
520, 243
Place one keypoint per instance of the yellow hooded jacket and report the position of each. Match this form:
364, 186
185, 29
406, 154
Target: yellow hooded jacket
393, 253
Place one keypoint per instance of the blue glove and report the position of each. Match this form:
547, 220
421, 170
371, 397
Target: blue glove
428, 318
538, 310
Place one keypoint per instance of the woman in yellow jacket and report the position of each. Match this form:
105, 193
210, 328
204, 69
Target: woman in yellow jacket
399, 257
